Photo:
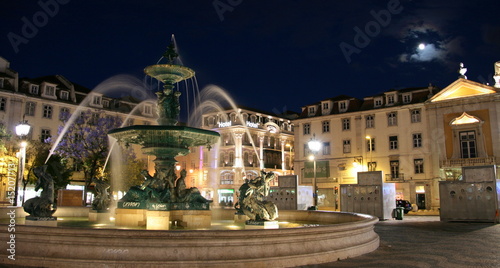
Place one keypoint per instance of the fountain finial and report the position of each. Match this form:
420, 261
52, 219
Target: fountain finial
171, 53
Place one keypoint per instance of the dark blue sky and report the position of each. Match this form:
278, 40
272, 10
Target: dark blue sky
269, 55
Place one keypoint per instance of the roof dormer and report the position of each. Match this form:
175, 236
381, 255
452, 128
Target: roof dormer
343, 106
49, 90
95, 100
311, 110
326, 107
391, 98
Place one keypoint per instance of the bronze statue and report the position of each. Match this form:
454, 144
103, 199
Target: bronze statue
43, 205
251, 200
102, 197
168, 106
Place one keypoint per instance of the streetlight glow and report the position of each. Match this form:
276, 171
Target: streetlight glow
314, 145
23, 129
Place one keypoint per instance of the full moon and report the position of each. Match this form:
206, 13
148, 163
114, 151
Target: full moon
421, 46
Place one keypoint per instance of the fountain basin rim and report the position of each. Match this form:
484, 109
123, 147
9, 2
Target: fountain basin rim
158, 71
352, 235
160, 128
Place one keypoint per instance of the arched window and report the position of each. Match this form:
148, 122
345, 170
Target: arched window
253, 119
211, 121
250, 175
227, 177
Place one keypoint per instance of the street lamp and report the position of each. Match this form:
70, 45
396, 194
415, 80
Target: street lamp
314, 145
22, 130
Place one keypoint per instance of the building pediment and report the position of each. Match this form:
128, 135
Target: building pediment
465, 119
462, 88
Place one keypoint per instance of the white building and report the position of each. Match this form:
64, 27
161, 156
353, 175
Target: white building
251, 141
41, 102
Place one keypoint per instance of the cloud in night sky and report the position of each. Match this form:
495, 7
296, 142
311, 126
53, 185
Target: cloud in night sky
431, 52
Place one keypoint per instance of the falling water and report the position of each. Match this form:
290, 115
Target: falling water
112, 141
213, 98
112, 86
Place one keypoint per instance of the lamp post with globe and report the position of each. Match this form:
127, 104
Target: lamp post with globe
314, 145
22, 130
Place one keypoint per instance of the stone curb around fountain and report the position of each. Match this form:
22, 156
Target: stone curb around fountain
348, 235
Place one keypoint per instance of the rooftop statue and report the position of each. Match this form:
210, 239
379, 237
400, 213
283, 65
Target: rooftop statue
42, 206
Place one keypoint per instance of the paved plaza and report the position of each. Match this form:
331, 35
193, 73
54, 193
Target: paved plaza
425, 241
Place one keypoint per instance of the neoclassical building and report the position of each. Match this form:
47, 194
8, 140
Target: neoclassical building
251, 141
41, 102
416, 137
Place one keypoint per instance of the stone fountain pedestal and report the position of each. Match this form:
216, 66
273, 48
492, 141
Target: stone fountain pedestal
160, 216
130, 217
162, 219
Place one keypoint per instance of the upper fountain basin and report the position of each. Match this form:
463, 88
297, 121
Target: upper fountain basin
165, 136
169, 73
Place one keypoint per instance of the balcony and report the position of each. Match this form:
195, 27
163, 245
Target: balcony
465, 162
395, 177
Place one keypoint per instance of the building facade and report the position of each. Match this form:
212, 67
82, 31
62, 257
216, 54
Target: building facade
416, 137
251, 141
42, 102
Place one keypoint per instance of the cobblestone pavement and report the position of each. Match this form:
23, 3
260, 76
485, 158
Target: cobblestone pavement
425, 241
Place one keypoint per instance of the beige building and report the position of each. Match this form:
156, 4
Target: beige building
42, 101
416, 137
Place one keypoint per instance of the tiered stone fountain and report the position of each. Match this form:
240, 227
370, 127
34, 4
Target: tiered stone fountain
163, 198
328, 236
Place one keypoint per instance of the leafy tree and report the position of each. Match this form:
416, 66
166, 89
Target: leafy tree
4, 137
86, 142
36, 155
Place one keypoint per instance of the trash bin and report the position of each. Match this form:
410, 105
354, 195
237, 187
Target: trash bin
397, 213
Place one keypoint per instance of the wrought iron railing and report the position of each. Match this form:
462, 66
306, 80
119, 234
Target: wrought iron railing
464, 162
395, 177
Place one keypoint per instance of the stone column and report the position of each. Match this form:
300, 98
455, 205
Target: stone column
238, 150
283, 166
261, 151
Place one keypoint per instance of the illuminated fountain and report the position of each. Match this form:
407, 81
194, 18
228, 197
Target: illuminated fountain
322, 236
164, 197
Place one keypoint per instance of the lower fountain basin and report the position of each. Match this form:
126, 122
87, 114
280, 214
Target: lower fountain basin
339, 236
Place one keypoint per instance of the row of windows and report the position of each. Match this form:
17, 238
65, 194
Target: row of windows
418, 167
370, 145
392, 120
378, 102
255, 119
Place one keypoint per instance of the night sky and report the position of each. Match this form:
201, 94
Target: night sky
269, 55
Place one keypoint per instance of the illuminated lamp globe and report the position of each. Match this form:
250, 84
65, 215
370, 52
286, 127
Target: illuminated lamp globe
314, 145
22, 129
